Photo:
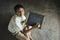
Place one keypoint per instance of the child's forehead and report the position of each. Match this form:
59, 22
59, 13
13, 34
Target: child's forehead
21, 9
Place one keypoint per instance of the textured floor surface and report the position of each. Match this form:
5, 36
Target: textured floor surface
38, 34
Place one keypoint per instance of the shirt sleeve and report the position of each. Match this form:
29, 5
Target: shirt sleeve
23, 18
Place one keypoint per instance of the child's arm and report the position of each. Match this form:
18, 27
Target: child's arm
29, 28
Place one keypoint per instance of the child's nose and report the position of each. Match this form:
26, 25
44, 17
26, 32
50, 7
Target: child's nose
20, 11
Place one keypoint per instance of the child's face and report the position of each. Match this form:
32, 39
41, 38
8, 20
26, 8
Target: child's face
20, 12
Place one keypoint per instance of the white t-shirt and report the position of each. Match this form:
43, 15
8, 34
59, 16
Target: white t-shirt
15, 24
18, 21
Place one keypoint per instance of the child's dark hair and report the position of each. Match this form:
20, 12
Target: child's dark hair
18, 6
